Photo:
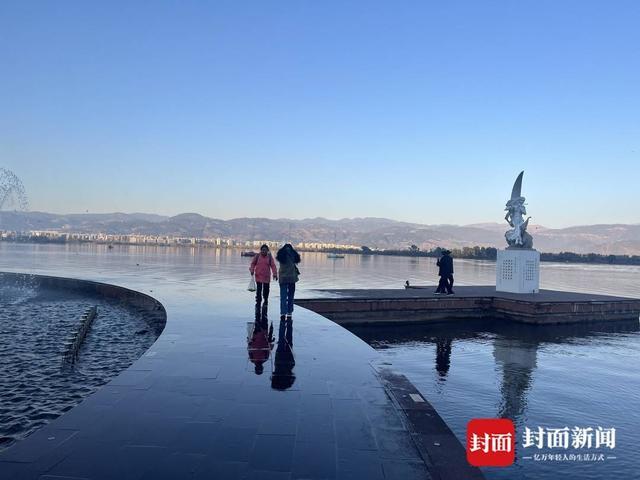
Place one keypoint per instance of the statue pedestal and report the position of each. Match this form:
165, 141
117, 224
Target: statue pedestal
518, 270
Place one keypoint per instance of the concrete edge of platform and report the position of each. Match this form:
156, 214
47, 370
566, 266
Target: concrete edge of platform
442, 452
364, 309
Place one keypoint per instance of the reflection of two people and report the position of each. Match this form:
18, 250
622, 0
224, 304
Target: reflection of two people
283, 377
443, 356
260, 340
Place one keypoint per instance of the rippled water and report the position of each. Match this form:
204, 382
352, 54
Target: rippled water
35, 385
553, 377
210, 271
548, 376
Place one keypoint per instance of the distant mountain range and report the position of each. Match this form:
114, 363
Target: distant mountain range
373, 232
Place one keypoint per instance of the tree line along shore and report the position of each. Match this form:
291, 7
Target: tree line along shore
490, 253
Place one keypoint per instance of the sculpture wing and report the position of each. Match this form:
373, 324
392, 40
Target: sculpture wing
517, 187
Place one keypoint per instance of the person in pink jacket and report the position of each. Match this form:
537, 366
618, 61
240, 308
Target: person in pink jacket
263, 266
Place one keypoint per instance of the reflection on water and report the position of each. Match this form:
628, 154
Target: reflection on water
549, 376
260, 339
555, 376
225, 270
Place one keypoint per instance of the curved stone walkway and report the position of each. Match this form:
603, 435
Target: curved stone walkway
193, 407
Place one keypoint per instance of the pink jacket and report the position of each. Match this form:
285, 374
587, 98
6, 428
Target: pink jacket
263, 267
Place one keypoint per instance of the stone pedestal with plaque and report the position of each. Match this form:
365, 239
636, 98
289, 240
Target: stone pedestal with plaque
518, 270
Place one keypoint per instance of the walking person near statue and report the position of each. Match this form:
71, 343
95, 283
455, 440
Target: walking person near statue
288, 275
445, 271
442, 280
262, 266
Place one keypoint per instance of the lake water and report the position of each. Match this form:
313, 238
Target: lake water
585, 376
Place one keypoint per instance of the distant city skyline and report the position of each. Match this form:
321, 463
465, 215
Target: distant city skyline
422, 112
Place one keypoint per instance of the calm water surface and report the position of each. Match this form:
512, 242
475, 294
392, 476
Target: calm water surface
583, 376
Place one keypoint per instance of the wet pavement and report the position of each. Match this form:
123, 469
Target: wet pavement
219, 396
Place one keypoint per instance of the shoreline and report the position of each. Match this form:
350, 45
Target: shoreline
547, 257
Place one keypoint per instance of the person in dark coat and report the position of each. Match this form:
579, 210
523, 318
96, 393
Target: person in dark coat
287, 276
445, 271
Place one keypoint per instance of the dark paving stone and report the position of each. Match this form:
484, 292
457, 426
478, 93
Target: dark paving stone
136, 379
386, 417
224, 390
405, 470
56, 477
197, 437
311, 404
105, 462
356, 465
171, 403
111, 395
340, 390
234, 444
346, 409
272, 453
20, 471
374, 396
186, 385
394, 444
245, 416
211, 469
279, 423
214, 410
314, 460
175, 466
316, 386
315, 428
256, 394
289, 400
267, 475
457, 471
153, 430
356, 434
196, 370
40, 443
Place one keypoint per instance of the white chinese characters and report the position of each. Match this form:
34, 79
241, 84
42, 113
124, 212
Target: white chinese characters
565, 438
491, 442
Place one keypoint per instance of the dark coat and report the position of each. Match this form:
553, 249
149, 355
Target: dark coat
288, 258
446, 265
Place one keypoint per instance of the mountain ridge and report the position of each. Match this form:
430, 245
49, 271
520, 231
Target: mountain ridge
375, 232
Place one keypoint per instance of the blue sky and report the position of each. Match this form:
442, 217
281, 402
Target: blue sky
415, 110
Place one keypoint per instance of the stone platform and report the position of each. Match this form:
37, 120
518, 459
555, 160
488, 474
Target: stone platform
419, 305
195, 407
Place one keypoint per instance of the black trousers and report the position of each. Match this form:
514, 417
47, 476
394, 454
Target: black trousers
445, 283
449, 282
262, 290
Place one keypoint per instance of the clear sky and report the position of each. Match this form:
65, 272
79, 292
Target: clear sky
423, 111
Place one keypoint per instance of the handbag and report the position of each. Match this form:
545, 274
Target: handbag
252, 284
